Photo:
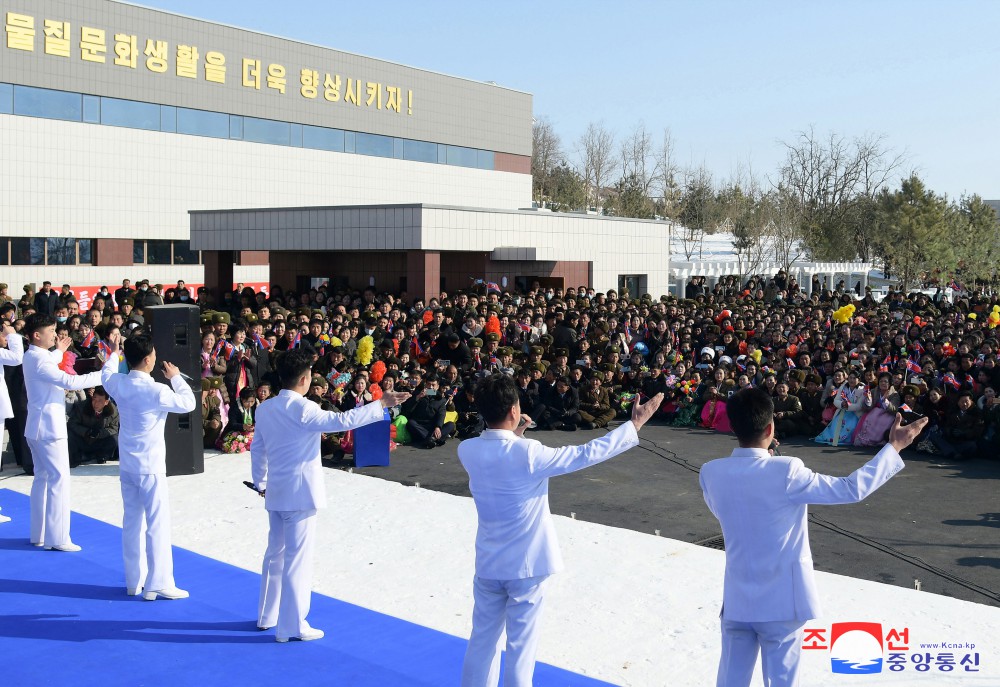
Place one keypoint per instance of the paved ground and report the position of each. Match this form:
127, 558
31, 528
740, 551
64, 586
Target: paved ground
936, 522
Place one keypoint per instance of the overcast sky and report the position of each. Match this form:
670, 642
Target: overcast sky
730, 79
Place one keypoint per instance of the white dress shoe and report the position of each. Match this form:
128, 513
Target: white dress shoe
38, 543
70, 547
133, 591
4, 518
168, 593
307, 636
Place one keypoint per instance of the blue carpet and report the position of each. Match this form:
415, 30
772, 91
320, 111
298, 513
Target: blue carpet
65, 620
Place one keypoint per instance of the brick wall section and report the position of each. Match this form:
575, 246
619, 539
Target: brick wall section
254, 257
113, 252
505, 162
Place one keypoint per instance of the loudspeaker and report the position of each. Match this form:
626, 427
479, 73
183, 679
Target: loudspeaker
176, 332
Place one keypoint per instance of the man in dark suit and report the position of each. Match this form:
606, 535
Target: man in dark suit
46, 300
424, 414
124, 292
562, 407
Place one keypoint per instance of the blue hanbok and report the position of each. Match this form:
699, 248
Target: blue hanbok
850, 405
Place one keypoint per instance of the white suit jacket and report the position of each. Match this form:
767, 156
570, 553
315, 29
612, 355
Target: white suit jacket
760, 500
47, 385
12, 355
143, 404
509, 481
285, 452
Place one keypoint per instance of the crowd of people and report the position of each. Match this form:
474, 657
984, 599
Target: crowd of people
838, 364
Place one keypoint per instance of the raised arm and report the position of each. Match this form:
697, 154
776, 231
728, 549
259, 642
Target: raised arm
549, 462
805, 486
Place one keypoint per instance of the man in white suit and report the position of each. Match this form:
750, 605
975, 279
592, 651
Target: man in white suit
11, 353
286, 468
46, 430
143, 405
760, 499
516, 546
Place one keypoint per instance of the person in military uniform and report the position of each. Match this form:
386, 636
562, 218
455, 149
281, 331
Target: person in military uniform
211, 414
560, 362
789, 418
492, 340
477, 361
220, 323
595, 404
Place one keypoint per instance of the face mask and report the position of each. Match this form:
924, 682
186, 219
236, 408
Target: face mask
143, 288
184, 298
104, 292
60, 320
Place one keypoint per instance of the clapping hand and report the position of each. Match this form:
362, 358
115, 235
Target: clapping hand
63, 343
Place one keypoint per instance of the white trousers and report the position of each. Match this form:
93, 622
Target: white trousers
149, 561
778, 643
286, 575
516, 605
50, 505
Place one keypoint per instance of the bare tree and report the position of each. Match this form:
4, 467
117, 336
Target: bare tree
835, 181
637, 158
741, 201
546, 155
697, 212
667, 171
784, 219
597, 164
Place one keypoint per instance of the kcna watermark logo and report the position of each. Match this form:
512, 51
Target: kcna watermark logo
864, 648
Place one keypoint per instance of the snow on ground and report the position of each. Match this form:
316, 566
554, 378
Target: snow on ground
631, 608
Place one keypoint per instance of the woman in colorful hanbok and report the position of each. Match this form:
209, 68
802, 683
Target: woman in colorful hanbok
880, 405
848, 403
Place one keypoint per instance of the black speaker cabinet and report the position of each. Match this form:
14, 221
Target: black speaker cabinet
176, 336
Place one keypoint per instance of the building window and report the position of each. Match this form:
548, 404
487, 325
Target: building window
27, 251
183, 255
131, 114
91, 109
373, 144
158, 253
42, 102
52, 104
138, 252
86, 251
634, 284
420, 151
4, 252
168, 118
6, 98
462, 157
266, 131
321, 138
201, 123
61, 251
